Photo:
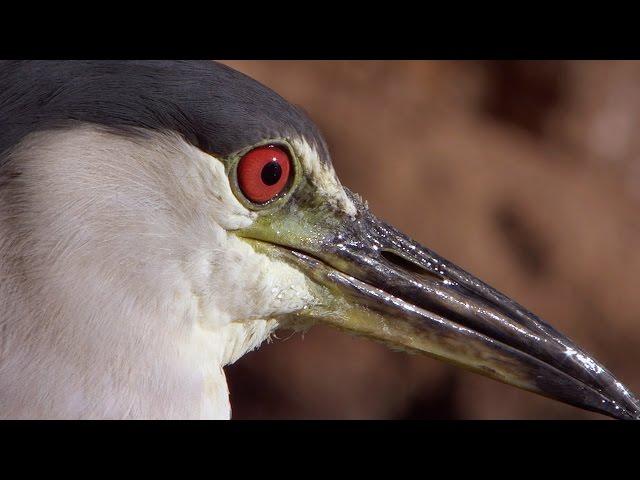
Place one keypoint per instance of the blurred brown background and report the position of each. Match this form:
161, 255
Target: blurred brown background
526, 174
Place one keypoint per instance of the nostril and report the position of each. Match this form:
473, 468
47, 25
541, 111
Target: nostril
409, 265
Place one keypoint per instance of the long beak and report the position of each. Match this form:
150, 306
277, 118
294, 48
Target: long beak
386, 286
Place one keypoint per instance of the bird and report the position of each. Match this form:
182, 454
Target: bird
159, 219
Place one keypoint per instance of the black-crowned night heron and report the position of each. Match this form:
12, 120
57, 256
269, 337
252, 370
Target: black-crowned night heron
159, 219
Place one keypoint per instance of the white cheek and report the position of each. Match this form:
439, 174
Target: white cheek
232, 282
237, 284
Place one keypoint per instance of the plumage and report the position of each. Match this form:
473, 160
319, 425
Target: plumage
139, 228
214, 107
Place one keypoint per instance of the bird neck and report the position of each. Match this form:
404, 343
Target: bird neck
116, 363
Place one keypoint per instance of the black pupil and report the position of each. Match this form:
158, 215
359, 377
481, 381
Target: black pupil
271, 173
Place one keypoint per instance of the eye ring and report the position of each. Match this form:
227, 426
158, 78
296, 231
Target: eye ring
264, 173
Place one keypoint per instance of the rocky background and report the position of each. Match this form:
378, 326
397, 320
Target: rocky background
526, 174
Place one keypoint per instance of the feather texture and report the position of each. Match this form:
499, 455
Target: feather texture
122, 292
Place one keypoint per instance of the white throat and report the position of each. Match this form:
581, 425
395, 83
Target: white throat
122, 292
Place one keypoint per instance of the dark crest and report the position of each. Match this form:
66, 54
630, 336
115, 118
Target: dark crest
212, 106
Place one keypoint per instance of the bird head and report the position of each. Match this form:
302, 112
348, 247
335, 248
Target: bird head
366, 277
238, 185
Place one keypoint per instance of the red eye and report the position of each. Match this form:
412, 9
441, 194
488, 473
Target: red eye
263, 173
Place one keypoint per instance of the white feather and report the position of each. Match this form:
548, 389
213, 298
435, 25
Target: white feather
122, 292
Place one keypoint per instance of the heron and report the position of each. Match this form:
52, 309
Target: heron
160, 219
